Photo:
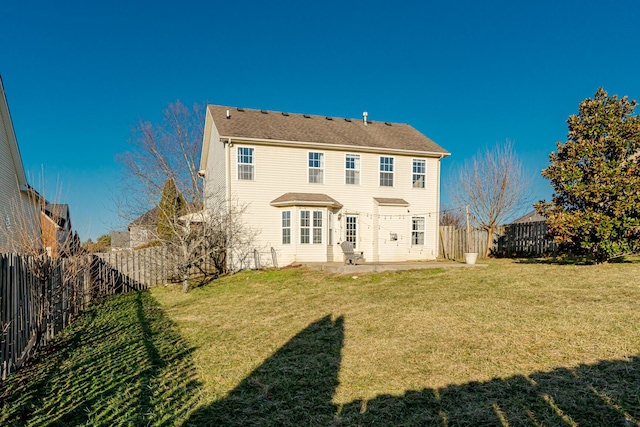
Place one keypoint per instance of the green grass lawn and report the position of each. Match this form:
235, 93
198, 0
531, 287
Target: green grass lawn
515, 343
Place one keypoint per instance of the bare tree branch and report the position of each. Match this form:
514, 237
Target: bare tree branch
494, 185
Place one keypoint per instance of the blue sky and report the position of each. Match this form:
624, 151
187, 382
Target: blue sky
78, 75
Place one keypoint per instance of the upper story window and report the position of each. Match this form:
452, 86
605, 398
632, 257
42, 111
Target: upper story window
386, 171
352, 169
316, 167
245, 163
419, 173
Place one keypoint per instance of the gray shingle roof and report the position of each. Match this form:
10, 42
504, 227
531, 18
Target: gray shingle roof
272, 125
532, 216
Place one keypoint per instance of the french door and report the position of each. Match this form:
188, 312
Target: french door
351, 229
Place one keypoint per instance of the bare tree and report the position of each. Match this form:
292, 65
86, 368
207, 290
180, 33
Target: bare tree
201, 241
49, 247
161, 174
494, 185
170, 149
452, 217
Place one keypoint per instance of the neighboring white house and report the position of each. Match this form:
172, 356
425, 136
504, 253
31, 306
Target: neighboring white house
19, 215
311, 182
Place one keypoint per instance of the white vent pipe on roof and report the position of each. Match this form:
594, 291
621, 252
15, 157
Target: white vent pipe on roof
364, 117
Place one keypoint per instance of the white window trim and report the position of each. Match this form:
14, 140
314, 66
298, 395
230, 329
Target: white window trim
393, 171
358, 169
282, 228
322, 167
423, 231
253, 163
311, 227
424, 174
357, 229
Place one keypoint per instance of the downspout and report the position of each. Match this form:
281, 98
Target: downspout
438, 207
229, 256
228, 146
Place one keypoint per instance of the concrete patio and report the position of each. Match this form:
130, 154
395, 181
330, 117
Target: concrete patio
371, 267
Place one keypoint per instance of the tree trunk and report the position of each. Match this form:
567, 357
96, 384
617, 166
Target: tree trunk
490, 232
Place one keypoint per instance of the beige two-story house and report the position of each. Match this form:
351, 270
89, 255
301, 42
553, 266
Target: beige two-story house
308, 182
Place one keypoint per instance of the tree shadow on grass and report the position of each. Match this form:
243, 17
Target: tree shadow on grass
295, 387
122, 363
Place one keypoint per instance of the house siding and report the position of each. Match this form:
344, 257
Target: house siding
278, 170
215, 172
16, 210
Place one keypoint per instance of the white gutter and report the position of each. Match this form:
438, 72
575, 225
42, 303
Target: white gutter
342, 147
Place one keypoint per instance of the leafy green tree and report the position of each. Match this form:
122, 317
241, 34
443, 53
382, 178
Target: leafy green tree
170, 209
102, 244
595, 209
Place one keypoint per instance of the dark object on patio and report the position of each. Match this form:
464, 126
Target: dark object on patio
350, 255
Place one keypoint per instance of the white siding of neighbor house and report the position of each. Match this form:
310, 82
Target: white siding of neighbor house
15, 208
279, 170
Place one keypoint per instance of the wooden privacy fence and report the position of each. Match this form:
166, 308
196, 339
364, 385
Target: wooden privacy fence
528, 239
149, 266
453, 242
155, 265
41, 296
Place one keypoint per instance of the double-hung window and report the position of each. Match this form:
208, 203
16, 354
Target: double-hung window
419, 173
316, 167
286, 227
245, 163
311, 227
317, 227
352, 169
417, 230
386, 171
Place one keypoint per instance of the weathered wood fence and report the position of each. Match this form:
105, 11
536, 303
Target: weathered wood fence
529, 239
149, 266
453, 242
41, 296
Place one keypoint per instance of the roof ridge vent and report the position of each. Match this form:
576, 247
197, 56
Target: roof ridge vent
387, 123
306, 116
240, 109
264, 111
329, 118
347, 120
285, 114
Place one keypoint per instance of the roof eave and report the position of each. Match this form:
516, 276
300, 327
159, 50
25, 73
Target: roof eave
328, 146
289, 203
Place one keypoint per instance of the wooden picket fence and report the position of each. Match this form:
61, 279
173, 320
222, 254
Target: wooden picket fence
39, 297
